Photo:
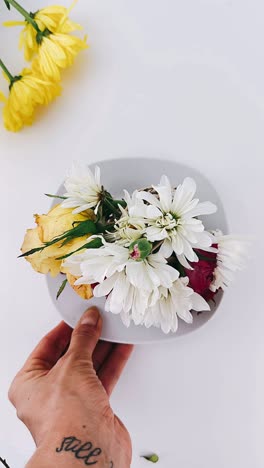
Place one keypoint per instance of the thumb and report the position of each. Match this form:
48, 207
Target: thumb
86, 334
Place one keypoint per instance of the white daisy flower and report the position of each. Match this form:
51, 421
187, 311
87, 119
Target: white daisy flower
151, 273
94, 265
123, 298
174, 220
176, 301
129, 280
231, 256
83, 189
131, 225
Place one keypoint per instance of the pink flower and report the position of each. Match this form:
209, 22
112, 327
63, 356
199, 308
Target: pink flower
135, 253
202, 274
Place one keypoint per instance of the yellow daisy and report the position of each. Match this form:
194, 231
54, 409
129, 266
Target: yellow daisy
57, 51
27, 91
51, 18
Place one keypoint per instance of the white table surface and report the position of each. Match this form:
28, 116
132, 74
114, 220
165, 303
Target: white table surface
172, 79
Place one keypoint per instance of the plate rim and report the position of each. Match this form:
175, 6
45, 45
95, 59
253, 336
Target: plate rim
171, 336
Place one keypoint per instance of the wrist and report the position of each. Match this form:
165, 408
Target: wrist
84, 448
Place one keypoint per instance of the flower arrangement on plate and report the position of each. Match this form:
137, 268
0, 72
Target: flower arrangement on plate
148, 253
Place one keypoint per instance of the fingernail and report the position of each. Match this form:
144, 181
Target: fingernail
90, 317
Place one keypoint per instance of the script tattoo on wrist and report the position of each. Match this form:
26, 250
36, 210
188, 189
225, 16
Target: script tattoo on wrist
82, 450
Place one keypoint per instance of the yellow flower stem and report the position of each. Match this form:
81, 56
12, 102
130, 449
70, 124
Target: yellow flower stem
11, 78
24, 13
6, 71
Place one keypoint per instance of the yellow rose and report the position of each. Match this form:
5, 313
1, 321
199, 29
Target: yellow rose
50, 225
83, 290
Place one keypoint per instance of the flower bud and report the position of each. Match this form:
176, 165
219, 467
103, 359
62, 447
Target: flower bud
140, 249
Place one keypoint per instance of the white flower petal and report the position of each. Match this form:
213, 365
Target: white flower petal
105, 287
204, 208
203, 240
231, 256
188, 251
199, 303
184, 262
187, 207
166, 248
149, 197
183, 194
165, 194
82, 188
177, 245
185, 315
154, 233
119, 291
136, 273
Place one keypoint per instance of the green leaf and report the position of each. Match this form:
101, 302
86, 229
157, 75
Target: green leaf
55, 196
152, 458
62, 286
66, 241
7, 4
83, 228
94, 244
32, 251
104, 227
120, 202
110, 207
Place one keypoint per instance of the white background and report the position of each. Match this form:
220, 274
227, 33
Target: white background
176, 79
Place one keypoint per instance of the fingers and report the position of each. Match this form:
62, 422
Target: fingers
86, 334
49, 349
112, 368
101, 352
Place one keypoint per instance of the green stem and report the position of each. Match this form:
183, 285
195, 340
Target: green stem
111, 206
120, 202
157, 246
24, 13
6, 71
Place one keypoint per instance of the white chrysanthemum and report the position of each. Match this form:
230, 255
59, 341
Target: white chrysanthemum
231, 256
132, 223
151, 273
123, 298
174, 219
177, 301
83, 189
94, 265
128, 282
97, 264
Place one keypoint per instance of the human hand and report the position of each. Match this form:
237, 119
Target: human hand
63, 398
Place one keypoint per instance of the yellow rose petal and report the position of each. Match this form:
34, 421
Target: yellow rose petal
57, 221
83, 290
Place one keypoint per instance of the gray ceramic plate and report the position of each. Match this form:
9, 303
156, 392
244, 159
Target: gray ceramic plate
117, 174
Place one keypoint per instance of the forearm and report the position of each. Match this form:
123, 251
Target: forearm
76, 451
